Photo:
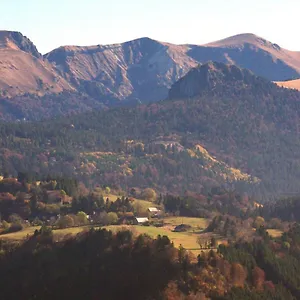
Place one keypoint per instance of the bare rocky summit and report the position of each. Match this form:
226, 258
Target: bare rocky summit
145, 69
142, 70
23, 69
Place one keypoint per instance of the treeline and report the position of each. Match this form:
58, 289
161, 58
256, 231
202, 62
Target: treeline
31, 107
49, 197
58, 202
286, 209
279, 259
99, 264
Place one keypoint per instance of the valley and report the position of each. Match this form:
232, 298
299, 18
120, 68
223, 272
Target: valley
149, 170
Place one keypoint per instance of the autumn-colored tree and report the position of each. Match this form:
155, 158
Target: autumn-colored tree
149, 194
4, 225
198, 296
269, 285
112, 218
15, 218
65, 221
172, 292
238, 275
224, 267
258, 278
82, 218
259, 221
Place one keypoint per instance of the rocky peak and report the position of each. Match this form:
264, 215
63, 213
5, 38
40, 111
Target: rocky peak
15, 40
211, 76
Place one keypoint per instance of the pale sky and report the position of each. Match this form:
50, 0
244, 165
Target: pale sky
53, 23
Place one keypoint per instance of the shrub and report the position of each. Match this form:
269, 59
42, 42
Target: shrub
15, 227
112, 218
65, 221
149, 194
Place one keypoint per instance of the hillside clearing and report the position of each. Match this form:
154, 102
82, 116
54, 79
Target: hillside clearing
187, 239
275, 233
195, 223
29, 231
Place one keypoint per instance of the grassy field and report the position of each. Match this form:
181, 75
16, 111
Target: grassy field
195, 223
275, 233
187, 239
20, 235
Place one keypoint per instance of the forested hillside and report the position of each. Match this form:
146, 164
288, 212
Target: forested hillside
220, 124
143, 268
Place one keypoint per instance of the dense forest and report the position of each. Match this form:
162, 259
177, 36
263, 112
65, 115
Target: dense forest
122, 266
242, 131
33, 107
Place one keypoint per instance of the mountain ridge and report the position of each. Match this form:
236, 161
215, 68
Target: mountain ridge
131, 70
212, 77
138, 71
23, 69
15, 40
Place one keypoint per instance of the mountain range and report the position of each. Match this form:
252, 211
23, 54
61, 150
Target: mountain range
207, 123
219, 124
141, 70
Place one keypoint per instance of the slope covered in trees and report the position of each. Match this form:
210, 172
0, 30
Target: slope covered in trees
244, 121
122, 266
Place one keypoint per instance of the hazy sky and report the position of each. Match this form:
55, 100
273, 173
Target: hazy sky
53, 23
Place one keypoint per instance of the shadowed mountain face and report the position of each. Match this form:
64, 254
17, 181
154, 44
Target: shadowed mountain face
141, 70
144, 69
214, 78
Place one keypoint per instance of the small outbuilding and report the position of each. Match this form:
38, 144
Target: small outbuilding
154, 211
140, 221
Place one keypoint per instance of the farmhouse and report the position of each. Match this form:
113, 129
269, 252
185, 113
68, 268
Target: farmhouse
154, 211
139, 221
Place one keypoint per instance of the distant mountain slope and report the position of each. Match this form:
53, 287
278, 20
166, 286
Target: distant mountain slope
137, 71
144, 69
23, 70
254, 53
